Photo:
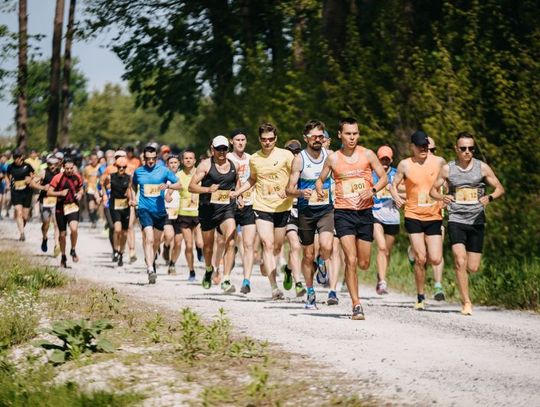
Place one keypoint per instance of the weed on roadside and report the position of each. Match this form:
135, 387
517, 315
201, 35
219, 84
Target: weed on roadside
154, 327
18, 317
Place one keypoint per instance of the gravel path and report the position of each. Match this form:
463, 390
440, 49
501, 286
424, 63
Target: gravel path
403, 356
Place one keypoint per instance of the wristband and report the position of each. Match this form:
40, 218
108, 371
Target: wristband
490, 197
374, 190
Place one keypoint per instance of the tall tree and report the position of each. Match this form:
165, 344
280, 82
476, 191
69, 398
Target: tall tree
54, 88
22, 76
66, 97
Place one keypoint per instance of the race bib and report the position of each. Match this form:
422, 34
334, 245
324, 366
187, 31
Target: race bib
220, 197
121, 203
467, 196
272, 190
70, 208
151, 190
384, 194
314, 199
91, 190
19, 185
172, 213
424, 199
49, 202
353, 187
248, 196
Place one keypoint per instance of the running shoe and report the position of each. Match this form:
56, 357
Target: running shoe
22, 238
311, 301
207, 279
227, 287
166, 252
246, 288
332, 298
56, 251
277, 294
115, 257
300, 289
322, 274
466, 309
63, 261
74, 256
44, 245
120, 260
381, 288
192, 275
439, 293
132, 257
358, 313
420, 305
287, 280
152, 277
171, 270
200, 256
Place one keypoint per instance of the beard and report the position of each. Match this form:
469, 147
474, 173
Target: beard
317, 146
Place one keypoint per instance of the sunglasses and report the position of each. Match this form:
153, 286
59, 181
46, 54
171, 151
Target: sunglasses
316, 136
221, 149
463, 149
150, 158
121, 167
433, 149
268, 139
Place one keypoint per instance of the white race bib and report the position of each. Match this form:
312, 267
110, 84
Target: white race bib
70, 208
151, 190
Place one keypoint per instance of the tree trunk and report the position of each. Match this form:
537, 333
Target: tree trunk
66, 96
22, 76
54, 88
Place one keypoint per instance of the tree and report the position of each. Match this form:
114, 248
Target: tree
54, 87
22, 75
66, 98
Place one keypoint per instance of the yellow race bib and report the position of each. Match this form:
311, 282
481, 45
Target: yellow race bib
220, 197
151, 190
270, 189
70, 208
384, 194
172, 213
20, 185
191, 204
353, 187
120, 203
314, 199
49, 202
424, 199
466, 196
248, 196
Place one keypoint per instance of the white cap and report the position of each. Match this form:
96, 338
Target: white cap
220, 141
59, 155
119, 153
51, 159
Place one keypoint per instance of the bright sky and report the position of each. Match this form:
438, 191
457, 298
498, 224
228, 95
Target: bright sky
98, 64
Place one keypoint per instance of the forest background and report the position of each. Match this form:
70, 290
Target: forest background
196, 69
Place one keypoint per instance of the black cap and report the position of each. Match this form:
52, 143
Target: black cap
419, 138
236, 132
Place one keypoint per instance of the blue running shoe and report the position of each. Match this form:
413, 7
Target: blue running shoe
332, 298
311, 301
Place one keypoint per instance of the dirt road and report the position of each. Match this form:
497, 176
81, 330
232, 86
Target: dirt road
403, 356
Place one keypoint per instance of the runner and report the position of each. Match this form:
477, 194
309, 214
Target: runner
270, 168
244, 217
352, 166
423, 219
121, 198
387, 219
315, 214
48, 205
466, 202
133, 163
20, 175
188, 214
152, 181
90, 178
67, 188
172, 236
218, 178
3, 184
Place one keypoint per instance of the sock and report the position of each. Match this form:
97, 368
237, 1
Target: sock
287, 269
299, 284
273, 285
209, 269
438, 285
245, 282
171, 263
421, 297
310, 290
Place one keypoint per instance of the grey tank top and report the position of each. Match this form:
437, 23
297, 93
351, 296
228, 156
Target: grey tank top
467, 187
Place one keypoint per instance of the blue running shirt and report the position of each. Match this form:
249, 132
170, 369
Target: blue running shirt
148, 180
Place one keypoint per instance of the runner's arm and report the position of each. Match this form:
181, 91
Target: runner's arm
379, 170
292, 187
200, 172
248, 184
493, 181
435, 191
234, 194
327, 167
398, 178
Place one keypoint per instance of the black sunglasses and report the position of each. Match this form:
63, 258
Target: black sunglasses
471, 148
121, 167
433, 149
221, 149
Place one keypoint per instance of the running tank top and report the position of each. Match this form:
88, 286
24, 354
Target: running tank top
243, 175
352, 175
311, 169
468, 187
227, 183
47, 178
418, 182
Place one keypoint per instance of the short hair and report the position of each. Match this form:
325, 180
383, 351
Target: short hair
188, 150
313, 124
149, 149
346, 120
236, 132
464, 134
173, 156
267, 128
69, 161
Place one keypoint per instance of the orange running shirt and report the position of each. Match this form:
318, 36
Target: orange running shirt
418, 182
352, 176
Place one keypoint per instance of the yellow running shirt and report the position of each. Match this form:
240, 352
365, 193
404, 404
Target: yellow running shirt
272, 174
189, 203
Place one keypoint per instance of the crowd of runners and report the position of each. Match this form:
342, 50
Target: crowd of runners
329, 206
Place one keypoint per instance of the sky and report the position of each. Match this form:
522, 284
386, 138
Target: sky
98, 64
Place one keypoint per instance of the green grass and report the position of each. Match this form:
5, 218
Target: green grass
19, 319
